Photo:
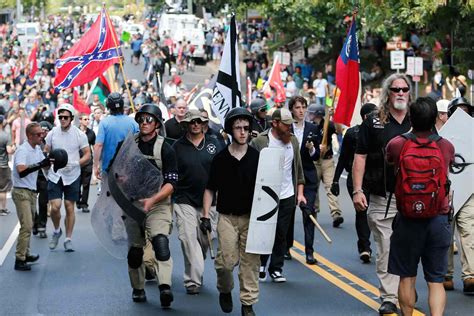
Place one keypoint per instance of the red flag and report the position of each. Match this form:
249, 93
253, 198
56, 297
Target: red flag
348, 77
90, 57
32, 61
249, 91
274, 81
104, 85
79, 104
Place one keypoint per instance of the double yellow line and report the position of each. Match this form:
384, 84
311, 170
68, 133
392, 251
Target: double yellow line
346, 287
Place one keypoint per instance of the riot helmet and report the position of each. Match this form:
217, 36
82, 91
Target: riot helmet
60, 158
46, 125
257, 105
455, 103
114, 102
152, 109
48, 117
317, 109
236, 113
67, 107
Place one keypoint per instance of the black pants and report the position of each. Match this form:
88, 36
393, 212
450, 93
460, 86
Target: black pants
42, 217
285, 212
310, 195
362, 227
86, 175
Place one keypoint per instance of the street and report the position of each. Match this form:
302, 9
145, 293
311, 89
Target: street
91, 282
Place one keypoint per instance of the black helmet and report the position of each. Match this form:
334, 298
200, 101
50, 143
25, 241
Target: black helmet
257, 104
60, 158
453, 105
48, 117
152, 109
317, 109
114, 101
234, 114
46, 125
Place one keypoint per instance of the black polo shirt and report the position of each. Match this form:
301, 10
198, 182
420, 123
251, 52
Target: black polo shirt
194, 164
331, 131
174, 130
372, 139
234, 181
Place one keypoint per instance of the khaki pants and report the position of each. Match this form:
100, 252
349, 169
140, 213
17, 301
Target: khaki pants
381, 229
325, 170
158, 221
193, 242
464, 221
25, 203
232, 236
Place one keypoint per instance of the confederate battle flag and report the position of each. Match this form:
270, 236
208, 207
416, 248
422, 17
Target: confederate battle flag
32, 61
91, 56
347, 77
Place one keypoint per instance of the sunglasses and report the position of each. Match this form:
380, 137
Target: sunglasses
264, 109
397, 90
147, 119
196, 121
244, 128
64, 117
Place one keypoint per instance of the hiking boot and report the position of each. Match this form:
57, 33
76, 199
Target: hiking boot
262, 274
287, 255
138, 296
387, 308
337, 221
32, 258
166, 297
21, 265
68, 246
365, 256
53, 243
277, 277
310, 259
247, 310
468, 286
448, 284
192, 290
225, 301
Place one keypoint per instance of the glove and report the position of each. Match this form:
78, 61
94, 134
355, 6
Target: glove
335, 188
205, 225
46, 162
307, 210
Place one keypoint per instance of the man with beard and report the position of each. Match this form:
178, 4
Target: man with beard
369, 168
279, 136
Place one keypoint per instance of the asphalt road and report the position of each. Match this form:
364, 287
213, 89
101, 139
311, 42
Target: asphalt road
91, 282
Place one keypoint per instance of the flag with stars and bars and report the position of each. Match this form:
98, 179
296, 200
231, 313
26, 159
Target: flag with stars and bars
90, 57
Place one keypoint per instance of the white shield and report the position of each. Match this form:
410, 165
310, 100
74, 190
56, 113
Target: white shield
263, 218
459, 130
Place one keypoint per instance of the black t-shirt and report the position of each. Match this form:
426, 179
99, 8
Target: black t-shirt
194, 164
173, 129
372, 139
331, 130
234, 181
348, 148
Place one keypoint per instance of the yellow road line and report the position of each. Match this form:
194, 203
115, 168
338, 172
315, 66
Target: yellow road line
348, 275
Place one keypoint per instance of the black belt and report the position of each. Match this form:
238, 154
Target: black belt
19, 188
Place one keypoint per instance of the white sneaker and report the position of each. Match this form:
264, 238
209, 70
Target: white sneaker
262, 274
277, 277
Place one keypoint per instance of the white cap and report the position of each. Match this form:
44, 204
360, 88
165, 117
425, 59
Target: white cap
442, 105
67, 107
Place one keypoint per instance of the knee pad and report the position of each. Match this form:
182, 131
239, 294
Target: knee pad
135, 257
161, 247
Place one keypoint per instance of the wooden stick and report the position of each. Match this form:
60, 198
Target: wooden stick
326, 124
213, 256
320, 228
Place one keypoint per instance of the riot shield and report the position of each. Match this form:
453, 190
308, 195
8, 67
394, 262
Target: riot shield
132, 178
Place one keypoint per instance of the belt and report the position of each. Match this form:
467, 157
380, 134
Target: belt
19, 188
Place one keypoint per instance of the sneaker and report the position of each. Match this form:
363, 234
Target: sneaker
287, 255
262, 274
310, 259
138, 296
53, 243
166, 297
192, 290
277, 277
337, 221
448, 284
85, 210
225, 301
42, 235
68, 246
387, 308
468, 286
247, 310
22, 265
4, 212
365, 256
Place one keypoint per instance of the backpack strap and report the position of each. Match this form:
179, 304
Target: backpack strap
156, 150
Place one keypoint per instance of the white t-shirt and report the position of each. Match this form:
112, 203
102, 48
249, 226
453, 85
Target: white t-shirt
287, 188
72, 140
320, 86
26, 155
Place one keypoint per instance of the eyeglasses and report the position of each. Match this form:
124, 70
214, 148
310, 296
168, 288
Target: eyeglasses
196, 121
64, 117
240, 128
397, 89
145, 119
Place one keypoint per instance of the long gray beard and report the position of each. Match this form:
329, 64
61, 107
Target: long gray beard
400, 105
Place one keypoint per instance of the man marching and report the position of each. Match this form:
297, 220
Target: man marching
232, 176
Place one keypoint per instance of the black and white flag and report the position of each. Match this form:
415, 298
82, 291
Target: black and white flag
226, 94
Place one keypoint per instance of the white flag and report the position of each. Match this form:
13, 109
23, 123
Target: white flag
226, 94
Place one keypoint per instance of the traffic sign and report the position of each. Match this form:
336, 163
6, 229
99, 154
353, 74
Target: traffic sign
397, 45
470, 74
415, 66
397, 59
284, 57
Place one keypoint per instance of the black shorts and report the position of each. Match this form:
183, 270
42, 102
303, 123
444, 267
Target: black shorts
412, 240
71, 191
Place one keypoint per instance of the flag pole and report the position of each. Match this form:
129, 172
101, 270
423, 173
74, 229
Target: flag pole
326, 123
120, 58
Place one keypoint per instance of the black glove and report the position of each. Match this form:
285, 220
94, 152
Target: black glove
46, 162
335, 188
205, 225
35, 167
307, 210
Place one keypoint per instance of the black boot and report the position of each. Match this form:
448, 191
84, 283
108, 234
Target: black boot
225, 300
247, 310
310, 259
32, 258
138, 296
387, 308
21, 265
166, 297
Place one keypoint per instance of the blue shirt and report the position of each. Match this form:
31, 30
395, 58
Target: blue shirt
112, 130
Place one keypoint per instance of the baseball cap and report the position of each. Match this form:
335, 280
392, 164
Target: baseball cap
283, 115
442, 105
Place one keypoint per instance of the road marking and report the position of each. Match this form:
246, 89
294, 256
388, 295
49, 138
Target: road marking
9, 244
337, 280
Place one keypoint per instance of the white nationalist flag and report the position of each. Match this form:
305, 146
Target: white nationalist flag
226, 94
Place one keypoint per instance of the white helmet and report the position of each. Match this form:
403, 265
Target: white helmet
67, 107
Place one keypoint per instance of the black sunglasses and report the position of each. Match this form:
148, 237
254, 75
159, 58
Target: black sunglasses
196, 121
397, 90
147, 119
64, 117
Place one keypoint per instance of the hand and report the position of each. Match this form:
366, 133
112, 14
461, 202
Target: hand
335, 188
360, 202
46, 162
205, 225
307, 210
300, 199
147, 204
309, 145
323, 148
97, 173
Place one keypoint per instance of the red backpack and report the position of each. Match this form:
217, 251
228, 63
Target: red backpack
421, 183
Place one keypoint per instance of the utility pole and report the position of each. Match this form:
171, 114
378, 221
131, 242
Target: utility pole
18, 10
190, 6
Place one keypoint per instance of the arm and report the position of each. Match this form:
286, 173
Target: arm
164, 193
86, 157
97, 154
207, 202
358, 170
300, 198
